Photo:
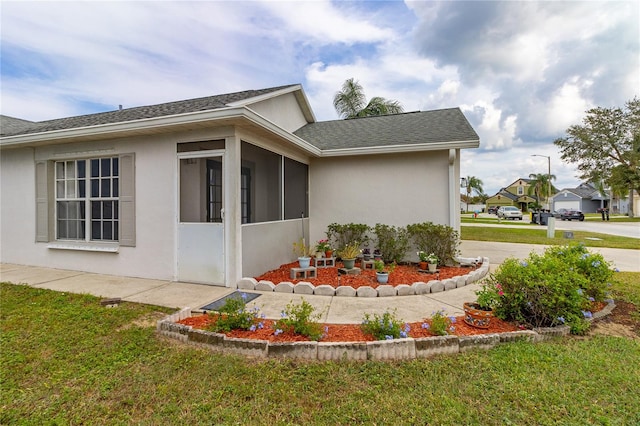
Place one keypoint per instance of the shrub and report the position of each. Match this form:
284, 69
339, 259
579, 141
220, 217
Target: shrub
393, 242
385, 327
554, 288
234, 315
299, 319
440, 324
341, 235
439, 239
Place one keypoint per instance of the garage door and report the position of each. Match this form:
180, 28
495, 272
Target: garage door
569, 205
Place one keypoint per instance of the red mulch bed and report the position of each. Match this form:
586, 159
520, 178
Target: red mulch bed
402, 274
345, 332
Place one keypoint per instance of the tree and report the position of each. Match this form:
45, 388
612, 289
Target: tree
607, 147
475, 184
540, 186
350, 102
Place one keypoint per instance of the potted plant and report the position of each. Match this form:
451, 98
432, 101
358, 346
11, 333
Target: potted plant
479, 314
366, 254
423, 259
303, 252
322, 248
381, 273
377, 255
432, 261
323, 245
349, 254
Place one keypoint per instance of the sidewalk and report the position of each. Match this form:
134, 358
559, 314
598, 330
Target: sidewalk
337, 310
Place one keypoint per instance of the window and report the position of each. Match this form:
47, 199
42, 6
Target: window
86, 200
87, 186
520, 190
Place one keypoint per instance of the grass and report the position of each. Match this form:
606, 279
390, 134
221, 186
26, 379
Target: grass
539, 236
67, 360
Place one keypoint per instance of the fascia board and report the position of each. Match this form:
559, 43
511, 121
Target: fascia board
392, 149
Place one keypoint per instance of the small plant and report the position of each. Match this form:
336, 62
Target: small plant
385, 327
350, 251
380, 266
489, 295
299, 319
440, 324
423, 256
301, 249
234, 315
432, 258
323, 245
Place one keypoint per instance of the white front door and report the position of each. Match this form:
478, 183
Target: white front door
200, 251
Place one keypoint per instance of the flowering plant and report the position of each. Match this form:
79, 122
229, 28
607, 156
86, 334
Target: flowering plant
432, 258
423, 256
350, 251
323, 245
489, 295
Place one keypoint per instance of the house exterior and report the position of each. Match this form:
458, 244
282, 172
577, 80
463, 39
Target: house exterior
516, 194
214, 189
588, 199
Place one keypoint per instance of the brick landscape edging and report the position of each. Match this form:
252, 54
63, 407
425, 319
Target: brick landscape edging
417, 288
397, 349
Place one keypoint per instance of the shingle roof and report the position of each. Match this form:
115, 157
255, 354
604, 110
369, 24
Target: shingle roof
445, 125
130, 114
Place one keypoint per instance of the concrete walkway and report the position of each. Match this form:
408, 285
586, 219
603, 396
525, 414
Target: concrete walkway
337, 310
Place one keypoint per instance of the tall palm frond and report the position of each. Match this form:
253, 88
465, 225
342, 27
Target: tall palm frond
350, 102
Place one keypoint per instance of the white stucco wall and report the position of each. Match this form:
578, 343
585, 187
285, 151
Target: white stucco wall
392, 189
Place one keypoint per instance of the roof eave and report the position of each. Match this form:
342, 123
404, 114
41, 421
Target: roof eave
394, 149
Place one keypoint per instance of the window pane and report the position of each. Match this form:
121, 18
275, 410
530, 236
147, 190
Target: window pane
95, 209
114, 190
95, 168
266, 191
59, 170
62, 210
105, 187
115, 210
81, 168
107, 210
107, 231
114, 163
82, 189
71, 170
60, 189
106, 167
95, 187
95, 230
71, 189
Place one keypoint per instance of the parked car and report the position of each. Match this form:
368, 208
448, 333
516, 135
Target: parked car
558, 213
572, 214
509, 212
492, 210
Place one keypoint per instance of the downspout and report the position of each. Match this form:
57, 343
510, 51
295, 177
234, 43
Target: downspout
454, 203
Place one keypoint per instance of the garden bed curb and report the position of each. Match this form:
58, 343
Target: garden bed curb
398, 349
417, 288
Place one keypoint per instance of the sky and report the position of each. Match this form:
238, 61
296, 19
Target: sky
522, 72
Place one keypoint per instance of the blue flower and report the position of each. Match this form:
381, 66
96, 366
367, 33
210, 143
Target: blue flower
591, 299
253, 327
388, 337
263, 316
244, 296
403, 334
260, 325
425, 326
580, 292
595, 263
283, 314
452, 329
587, 314
278, 331
617, 270
326, 328
561, 320
584, 256
407, 327
523, 263
452, 319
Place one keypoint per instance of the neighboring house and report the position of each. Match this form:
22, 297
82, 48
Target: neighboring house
588, 199
214, 189
516, 194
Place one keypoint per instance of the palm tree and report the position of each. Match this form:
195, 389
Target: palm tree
540, 186
350, 102
475, 184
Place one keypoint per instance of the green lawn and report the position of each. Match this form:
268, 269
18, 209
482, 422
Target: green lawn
67, 360
539, 236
